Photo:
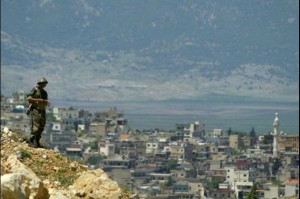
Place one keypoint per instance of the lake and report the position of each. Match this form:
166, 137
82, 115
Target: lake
237, 113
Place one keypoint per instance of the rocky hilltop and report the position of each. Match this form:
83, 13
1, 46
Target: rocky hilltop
39, 173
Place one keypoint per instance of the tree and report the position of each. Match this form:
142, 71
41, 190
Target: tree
240, 133
252, 193
51, 117
81, 133
252, 135
94, 145
276, 165
169, 181
215, 183
171, 164
95, 159
229, 131
241, 144
268, 139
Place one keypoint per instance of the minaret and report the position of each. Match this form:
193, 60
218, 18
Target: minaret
275, 136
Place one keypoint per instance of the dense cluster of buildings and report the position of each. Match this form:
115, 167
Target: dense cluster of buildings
186, 162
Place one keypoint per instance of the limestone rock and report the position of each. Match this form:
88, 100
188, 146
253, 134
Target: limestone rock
19, 174
58, 194
18, 185
14, 186
97, 185
22, 180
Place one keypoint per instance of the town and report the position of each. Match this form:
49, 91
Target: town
186, 162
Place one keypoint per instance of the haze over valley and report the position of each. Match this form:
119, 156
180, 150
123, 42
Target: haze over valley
111, 52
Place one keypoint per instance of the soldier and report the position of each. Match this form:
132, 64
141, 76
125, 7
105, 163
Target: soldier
38, 98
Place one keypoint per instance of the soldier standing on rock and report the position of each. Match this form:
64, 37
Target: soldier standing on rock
38, 99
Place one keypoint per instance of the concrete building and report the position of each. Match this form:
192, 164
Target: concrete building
60, 140
190, 130
292, 187
98, 128
217, 132
117, 163
140, 146
19, 122
181, 151
222, 150
201, 151
234, 176
67, 117
220, 193
106, 148
151, 147
56, 126
246, 142
19, 97
60, 113
289, 143
114, 121
234, 141
160, 177
241, 189
74, 152
271, 191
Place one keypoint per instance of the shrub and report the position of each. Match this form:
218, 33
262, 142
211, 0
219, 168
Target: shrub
25, 154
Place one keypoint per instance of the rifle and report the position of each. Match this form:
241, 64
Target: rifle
28, 109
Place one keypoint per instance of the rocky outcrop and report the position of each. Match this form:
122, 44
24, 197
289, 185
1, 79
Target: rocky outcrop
22, 182
96, 184
32, 173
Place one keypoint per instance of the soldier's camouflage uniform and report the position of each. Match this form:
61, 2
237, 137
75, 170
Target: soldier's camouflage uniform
38, 114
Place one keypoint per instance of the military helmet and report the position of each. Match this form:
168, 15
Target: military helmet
43, 80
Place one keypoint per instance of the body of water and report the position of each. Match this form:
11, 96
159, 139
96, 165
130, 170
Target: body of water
239, 114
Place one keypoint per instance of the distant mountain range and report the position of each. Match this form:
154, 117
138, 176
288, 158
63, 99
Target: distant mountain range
151, 49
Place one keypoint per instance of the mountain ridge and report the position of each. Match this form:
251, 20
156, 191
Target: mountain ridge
151, 51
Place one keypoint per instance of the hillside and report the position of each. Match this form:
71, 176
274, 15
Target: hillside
44, 173
151, 50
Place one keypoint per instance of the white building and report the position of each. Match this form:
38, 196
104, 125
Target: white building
67, 117
292, 187
151, 147
81, 127
64, 113
235, 177
271, 192
191, 130
242, 188
108, 149
217, 132
56, 126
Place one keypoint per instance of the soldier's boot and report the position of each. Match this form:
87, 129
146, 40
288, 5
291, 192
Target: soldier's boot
38, 144
32, 142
